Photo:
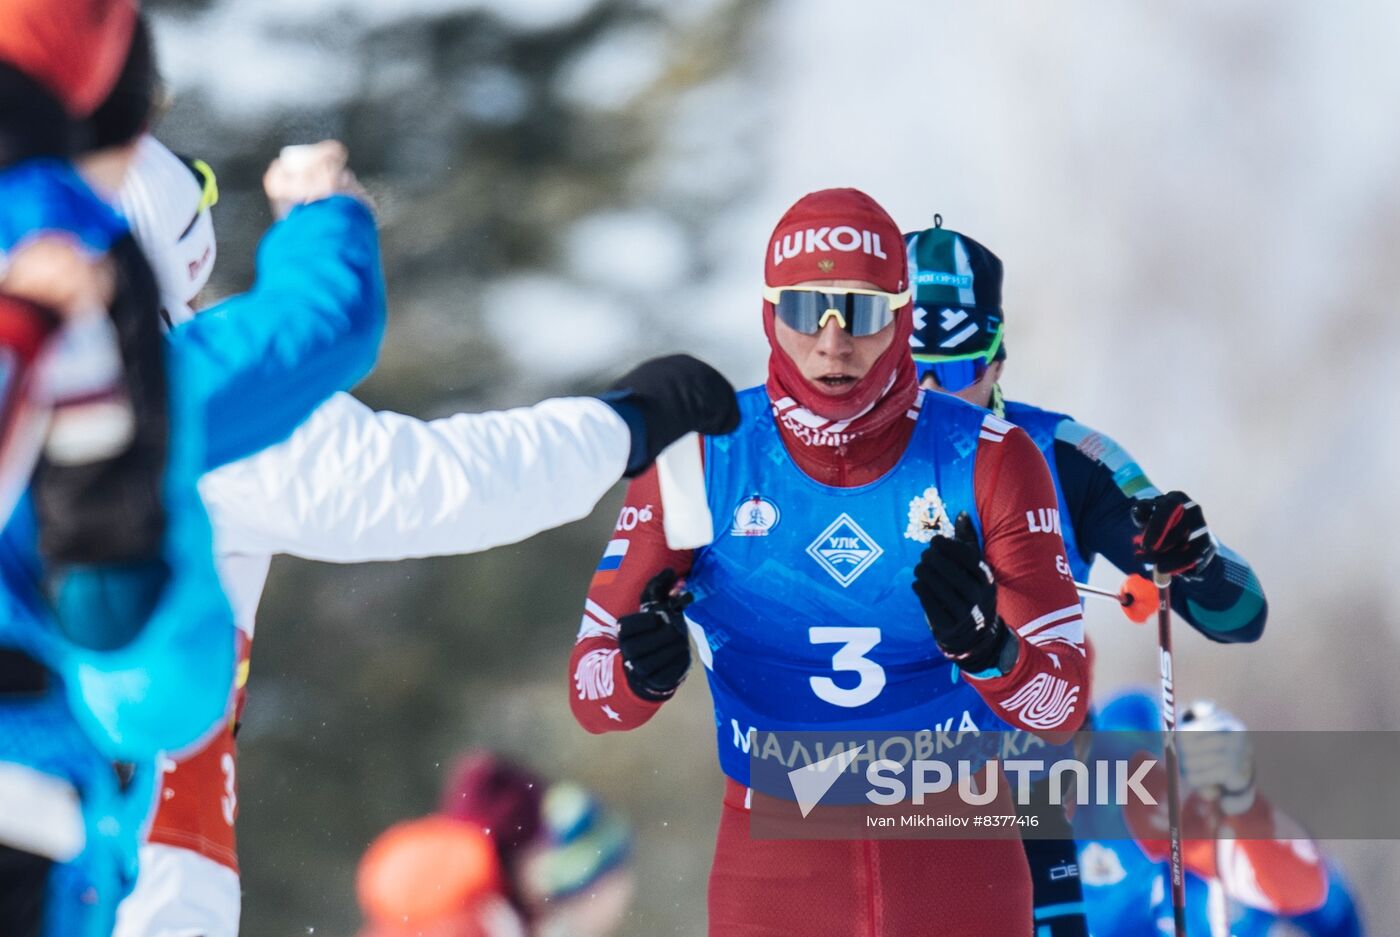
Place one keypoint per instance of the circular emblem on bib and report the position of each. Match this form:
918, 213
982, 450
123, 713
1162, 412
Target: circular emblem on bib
754, 517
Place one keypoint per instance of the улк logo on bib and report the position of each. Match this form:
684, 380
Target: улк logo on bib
844, 550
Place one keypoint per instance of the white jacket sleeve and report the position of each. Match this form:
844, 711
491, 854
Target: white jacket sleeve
352, 484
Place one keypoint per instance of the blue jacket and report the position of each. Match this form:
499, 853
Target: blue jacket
1097, 481
260, 362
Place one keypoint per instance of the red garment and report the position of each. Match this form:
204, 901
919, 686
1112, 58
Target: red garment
910, 887
837, 234
25, 330
1261, 857
75, 48
863, 888
199, 793
811, 419
1010, 480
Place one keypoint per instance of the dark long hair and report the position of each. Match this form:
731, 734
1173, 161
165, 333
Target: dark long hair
129, 109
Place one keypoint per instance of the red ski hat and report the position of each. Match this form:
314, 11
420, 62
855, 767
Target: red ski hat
75, 48
497, 795
837, 234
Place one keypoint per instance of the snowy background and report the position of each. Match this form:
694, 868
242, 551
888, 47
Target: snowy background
1198, 212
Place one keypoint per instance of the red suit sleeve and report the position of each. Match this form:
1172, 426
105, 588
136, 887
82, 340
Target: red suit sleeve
599, 695
1261, 857
1047, 691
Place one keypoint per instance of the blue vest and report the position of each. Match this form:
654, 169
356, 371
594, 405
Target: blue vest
804, 615
1040, 425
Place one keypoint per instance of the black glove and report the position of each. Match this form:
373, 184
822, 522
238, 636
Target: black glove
665, 398
654, 642
959, 595
1174, 537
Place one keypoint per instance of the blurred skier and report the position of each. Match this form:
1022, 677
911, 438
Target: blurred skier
507, 854
353, 485
804, 615
108, 539
1106, 504
1264, 875
76, 697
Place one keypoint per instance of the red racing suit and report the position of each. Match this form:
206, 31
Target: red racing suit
868, 888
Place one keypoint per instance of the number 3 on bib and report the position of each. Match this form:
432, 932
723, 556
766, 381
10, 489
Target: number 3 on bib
857, 642
229, 802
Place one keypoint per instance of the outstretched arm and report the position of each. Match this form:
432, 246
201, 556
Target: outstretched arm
1222, 599
353, 485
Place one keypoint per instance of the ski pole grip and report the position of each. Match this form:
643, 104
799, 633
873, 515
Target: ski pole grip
685, 518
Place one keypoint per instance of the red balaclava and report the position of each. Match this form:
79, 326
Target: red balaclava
75, 48
840, 234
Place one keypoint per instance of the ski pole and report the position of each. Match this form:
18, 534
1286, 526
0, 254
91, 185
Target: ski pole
1164, 649
1137, 596
1086, 589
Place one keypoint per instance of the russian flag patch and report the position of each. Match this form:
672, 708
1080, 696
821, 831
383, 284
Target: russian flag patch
611, 563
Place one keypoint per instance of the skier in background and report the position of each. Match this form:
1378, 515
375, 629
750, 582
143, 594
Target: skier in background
354, 485
1265, 876
507, 854
1112, 507
1106, 503
814, 604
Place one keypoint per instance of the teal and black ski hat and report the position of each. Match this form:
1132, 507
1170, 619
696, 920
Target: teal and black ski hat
958, 318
